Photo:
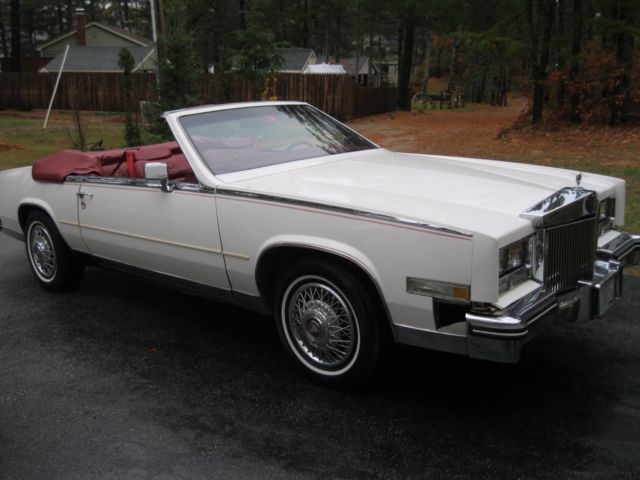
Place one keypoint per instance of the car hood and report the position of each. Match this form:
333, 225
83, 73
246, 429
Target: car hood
471, 195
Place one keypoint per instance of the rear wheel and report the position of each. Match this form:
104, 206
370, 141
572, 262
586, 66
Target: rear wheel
328, 323
53, 263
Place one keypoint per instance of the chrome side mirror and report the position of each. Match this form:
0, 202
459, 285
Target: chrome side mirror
158, 171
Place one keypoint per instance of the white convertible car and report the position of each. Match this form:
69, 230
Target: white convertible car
279, 208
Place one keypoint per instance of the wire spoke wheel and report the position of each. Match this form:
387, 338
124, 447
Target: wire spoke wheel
329, 322
50, 258
321, 323
42, 252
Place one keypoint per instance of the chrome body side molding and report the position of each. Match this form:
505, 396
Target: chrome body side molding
139, 182
202, 189
343, 210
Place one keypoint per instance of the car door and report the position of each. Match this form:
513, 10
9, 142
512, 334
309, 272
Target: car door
135, 223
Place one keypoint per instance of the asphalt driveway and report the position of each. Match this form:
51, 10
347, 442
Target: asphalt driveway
123, 379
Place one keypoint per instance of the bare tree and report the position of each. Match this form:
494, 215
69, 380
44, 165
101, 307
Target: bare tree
453, 65
3, 35
15, 35
576, 45
624, 45
406, 60
540, 17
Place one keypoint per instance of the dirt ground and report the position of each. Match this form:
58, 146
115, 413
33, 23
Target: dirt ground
485, 132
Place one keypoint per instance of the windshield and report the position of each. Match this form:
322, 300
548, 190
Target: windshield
253, 137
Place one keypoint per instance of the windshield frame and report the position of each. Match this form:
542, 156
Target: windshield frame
184, 138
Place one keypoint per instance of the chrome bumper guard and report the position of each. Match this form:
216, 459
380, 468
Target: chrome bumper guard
501, 337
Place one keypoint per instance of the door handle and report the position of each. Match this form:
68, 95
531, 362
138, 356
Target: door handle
83, 197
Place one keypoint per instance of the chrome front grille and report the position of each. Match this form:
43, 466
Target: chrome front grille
570, 253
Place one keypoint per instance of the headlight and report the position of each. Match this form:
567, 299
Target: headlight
606, 213
515, 264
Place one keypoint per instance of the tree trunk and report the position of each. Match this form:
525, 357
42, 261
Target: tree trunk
505, 86
438, 72
538, 102
69, 14
358, 46
61, 28
15, 35
621, 101
125, 12
305, 23
161, 21
243, 14
339, 36
560, 55
406, 62
453, 66
576, 45
589, 13
3, 36
427, 61
30, 30
540, 23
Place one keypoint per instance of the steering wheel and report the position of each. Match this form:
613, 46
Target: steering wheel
299, 143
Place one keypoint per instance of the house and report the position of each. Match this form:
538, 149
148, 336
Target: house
361, 69
295, 60
388, 68
94, 47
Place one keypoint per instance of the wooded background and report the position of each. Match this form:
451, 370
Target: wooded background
577, 60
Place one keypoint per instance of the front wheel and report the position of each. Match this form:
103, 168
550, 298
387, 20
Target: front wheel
328, 323
53, 263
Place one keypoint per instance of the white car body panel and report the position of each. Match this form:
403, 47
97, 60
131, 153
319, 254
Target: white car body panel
58, 200
371, 243
149, 229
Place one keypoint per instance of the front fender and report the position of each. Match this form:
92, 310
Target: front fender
340, 249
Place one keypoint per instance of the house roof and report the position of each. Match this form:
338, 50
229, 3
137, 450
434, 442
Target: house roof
325, 68
96, 59
295, 58
121, 32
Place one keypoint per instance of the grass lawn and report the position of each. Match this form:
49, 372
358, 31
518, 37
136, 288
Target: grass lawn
23, 140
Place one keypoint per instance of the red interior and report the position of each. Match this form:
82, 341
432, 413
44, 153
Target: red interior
121, 162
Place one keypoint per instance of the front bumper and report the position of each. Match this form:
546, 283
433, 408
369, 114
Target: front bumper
501, 337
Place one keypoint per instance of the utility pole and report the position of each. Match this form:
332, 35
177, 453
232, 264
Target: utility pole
154, 36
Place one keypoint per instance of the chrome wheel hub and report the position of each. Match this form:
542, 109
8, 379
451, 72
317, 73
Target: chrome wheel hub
322, 324
43, 256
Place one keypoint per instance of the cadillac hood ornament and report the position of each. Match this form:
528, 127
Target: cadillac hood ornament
578, 180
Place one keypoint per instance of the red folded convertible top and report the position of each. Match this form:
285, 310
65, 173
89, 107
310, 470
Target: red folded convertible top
112, 163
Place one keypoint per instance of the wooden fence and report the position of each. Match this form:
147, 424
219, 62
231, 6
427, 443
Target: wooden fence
337, 95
